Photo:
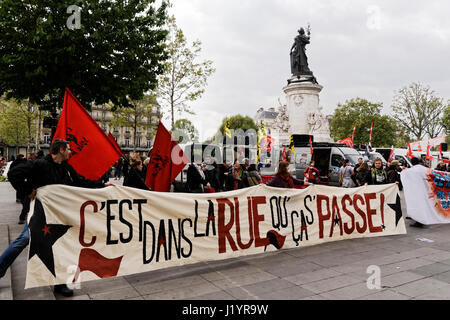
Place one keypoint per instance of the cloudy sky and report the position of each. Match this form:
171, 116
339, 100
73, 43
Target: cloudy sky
358, 48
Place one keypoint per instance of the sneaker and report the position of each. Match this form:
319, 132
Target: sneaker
63, 290
417, 225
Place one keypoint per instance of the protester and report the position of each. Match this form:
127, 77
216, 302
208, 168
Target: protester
237, 178
416, 163
253, 176
211, 174
363, 175
118, 169
125, 166
224, 171
20, 159
53, 169
441, 166
39, 154
311, 173
136, 178
360, 162
377, 173
345, 175
393, 173
196, 179
283, 178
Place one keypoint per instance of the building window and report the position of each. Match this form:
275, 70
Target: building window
127, 142
138, 141
46, 138
149, 143
127, 129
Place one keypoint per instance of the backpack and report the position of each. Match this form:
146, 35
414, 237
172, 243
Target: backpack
19, 177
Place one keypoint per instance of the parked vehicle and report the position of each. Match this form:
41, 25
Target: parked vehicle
328, 158
399, 154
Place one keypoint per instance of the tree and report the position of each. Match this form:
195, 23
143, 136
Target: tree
17, 123
184, 79
115, 55
238, 122
418, 110
445, 122
138, 118
364, 112
187, 129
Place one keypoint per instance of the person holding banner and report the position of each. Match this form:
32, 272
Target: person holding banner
53, 169
311, 173
237, 178
378, 174
283, 178
136, 178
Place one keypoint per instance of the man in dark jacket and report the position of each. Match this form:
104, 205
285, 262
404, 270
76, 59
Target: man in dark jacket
53, 169
196, 179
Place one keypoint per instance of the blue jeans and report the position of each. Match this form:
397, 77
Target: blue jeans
13, 251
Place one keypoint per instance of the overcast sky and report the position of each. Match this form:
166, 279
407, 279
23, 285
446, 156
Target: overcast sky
358, 48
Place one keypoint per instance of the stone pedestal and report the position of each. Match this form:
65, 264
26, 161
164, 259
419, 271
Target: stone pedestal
304, 110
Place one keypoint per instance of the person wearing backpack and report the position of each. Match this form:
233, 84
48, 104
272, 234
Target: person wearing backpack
18, 176
52, 169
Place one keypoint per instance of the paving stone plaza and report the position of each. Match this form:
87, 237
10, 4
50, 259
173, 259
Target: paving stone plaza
412, 267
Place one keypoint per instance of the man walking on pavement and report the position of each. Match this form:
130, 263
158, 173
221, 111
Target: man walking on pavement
52, 169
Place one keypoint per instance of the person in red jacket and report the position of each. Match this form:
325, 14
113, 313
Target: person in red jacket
311, 173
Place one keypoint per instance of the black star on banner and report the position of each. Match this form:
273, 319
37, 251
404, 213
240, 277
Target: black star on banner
43, 236
397, 208
337, 221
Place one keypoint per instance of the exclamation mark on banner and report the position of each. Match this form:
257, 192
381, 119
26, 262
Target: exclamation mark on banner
382, 211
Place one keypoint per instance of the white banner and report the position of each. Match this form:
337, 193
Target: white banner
427, 194
79, 234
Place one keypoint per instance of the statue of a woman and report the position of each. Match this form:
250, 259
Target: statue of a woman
299, 60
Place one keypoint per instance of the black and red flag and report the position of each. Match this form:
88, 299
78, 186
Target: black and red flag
166, 161
88, 142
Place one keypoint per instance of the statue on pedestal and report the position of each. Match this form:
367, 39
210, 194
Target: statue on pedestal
299, 60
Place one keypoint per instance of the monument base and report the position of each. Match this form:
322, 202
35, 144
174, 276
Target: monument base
304, 110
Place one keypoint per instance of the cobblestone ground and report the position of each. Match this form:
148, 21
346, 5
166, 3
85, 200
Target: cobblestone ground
410, 269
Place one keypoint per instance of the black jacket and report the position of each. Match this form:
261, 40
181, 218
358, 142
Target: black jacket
363, 177
136, 179
194, 180
45, 171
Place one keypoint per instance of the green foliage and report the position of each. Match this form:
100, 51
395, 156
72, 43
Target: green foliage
116, 55
184, 79
445, 122
17, 122
238, 122
139, 117
419, 111
188, 128
364, 112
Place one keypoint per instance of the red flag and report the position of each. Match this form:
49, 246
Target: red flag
311, 146
166, 161
371, 127
409, 154
353, 134
347, 141
391, 155
114, 143
429, 156
88, 142
284, 154
267, 143
91, 260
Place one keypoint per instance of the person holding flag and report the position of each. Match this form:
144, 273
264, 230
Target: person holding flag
53, 169
166, 161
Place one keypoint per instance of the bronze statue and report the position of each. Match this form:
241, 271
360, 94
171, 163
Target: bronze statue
299, 60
